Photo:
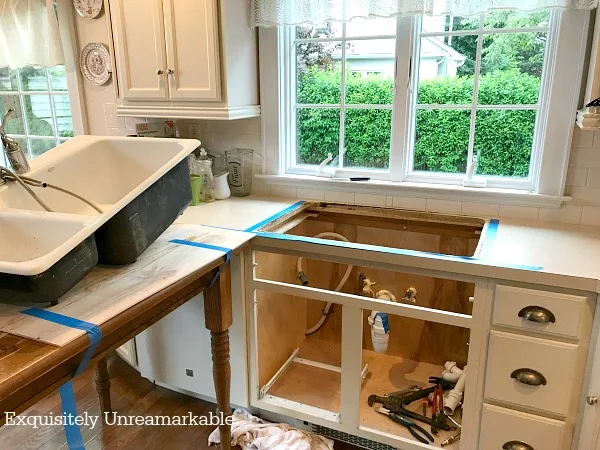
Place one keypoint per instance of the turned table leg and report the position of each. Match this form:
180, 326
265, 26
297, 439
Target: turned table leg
218, 319
103, 386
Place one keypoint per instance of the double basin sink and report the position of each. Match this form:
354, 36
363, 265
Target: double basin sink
141, 185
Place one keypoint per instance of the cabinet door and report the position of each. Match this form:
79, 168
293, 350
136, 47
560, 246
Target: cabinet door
138, 29
589, 438
192, 49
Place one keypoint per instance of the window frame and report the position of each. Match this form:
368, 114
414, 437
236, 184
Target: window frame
565, 49
49, 93
75, 89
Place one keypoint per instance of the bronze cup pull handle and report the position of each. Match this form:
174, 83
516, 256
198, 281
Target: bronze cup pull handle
529, 377
537, 314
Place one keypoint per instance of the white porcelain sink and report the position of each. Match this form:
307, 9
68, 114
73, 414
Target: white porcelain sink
32, 238
108, 171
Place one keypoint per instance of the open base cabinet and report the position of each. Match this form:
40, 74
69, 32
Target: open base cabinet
315, 355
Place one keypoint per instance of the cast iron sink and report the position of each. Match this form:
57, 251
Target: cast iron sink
141, 185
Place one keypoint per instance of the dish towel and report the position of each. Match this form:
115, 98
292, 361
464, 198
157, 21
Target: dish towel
253, 433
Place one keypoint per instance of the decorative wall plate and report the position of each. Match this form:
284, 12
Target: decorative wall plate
95, 63
90, 9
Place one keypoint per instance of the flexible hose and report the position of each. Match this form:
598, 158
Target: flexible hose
319, 324
24, 181
18, 179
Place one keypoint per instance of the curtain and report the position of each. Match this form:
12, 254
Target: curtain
29, 34
269, 13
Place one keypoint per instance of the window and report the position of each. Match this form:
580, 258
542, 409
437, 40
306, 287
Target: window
40, 98
419, 99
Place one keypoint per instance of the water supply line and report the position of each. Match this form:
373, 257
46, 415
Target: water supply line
304, 280
8, 175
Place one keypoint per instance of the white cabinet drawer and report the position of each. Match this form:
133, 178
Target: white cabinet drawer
557, 362
499, 426
568, 316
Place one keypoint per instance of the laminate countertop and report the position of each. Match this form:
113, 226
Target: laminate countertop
550, 254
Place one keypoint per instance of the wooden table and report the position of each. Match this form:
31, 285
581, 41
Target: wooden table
30, 370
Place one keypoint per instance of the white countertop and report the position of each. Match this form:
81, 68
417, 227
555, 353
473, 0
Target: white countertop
569, 255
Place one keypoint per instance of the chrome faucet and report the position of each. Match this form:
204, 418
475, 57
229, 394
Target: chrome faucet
12, 149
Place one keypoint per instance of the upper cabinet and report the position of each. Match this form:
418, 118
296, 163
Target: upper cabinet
185, 58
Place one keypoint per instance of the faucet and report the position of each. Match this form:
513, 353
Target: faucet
323, 170
12, 149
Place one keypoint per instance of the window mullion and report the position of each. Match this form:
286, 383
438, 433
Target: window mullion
402, 100
341, 151
476, 74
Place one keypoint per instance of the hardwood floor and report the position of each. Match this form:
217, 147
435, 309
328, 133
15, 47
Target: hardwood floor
131, 395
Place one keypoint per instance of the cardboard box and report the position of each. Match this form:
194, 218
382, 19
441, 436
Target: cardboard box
164, 129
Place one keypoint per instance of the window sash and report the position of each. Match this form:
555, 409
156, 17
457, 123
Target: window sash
564, 62
55, 138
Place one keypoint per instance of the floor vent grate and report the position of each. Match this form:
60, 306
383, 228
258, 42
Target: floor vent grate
348, 438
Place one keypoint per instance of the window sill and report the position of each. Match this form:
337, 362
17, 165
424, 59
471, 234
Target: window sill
420, 190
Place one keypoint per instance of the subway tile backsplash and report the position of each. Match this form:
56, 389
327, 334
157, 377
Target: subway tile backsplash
583, 176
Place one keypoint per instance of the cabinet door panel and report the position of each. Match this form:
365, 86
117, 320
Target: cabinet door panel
192, 49
139, 35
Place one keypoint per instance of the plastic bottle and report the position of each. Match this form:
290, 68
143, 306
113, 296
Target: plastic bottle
380, 331
208, 183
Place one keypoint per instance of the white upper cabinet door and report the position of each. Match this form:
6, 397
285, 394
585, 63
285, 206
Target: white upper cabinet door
138, 29
192, 49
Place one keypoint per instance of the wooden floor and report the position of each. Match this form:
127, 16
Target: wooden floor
131, 395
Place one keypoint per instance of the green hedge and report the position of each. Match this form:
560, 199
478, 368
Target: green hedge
503, 137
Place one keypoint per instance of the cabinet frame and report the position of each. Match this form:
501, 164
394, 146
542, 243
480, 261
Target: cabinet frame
348, 419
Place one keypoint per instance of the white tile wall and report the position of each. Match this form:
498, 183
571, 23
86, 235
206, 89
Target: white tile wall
370, 199
519, 212
480, 209
409, 202
443, 206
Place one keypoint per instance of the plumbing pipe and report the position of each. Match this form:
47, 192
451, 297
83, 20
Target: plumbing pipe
455, 395
384, 294
304, 280
451, 372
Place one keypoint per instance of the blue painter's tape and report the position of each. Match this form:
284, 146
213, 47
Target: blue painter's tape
67, 395
228, 252
275, 216
393, 251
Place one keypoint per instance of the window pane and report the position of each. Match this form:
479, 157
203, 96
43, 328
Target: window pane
434, 24
370, 71
517, 19
14, 125
371, 27
8, 79
441, 140
330, 30
33, 79
39, 115
58, 78
446, 66
511, 68
318, 133
62, 109
319, 76
367, 138
39, 146
503, 141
